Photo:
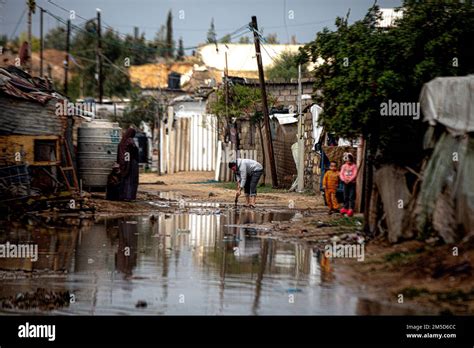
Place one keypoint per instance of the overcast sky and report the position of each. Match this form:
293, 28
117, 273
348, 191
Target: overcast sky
191, 18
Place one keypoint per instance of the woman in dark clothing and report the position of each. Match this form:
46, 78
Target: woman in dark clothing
127, 158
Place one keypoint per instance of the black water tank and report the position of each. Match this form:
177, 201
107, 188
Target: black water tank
174, 80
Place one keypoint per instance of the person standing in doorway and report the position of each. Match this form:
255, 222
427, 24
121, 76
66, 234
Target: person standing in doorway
127, 158
248, 173
348, 176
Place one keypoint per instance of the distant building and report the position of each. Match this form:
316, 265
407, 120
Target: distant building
241, 57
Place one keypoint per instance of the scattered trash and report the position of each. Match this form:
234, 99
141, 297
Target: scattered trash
41, 299
432, 240
141, 304
322, 224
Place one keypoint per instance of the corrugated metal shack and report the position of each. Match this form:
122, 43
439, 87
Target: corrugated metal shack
443, 202
36, 139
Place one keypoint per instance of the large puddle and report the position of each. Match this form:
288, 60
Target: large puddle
174, 264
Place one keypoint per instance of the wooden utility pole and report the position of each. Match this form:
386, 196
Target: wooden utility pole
226, 87
99, 58
66, 58
226, 94
300, 170
266, 117
41, 42
31, 9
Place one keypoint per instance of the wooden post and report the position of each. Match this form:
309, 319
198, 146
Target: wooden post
31, 9
171, 136
182, 141
41, 42
66, 58
178, 147
266, 117
187, 137
360, 177
99, 58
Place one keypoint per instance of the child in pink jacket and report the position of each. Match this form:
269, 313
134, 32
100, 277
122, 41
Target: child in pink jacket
348, 175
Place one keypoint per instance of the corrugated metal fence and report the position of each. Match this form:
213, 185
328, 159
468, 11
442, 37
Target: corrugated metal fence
190, 144
225, 153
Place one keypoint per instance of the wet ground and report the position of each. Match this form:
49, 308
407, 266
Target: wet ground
201, 262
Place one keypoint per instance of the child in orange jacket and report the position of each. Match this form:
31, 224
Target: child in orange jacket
348, 176
330, 183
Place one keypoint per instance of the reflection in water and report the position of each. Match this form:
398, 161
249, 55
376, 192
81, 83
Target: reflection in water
179, 264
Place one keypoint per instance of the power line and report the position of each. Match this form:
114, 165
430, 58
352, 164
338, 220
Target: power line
146, 41
134, 46
66, 10
18, 24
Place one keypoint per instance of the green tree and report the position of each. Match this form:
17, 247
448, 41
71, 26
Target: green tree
180, 55
82, 49
365, 65
286, 66
138, 50
116, 78
211, 33
226, 39
116, 81
35, 41
160, 42
3, 41
56, 39
170, 44
272, 39
243, 101
142, 108
244, 40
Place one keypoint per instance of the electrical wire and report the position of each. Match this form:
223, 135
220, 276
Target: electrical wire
17, 24
66, 10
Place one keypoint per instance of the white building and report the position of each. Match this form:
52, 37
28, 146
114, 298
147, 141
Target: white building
241, 57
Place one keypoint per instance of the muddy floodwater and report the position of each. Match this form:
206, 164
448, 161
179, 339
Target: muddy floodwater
174, 264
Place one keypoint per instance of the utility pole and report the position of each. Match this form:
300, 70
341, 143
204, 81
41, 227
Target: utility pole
99, 58
266, 117
41, 42
66, 59
226, 93
300, 170
135, 33
31, 9
226, 87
